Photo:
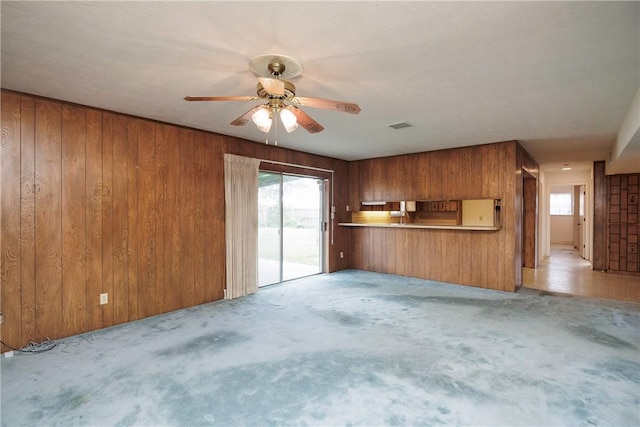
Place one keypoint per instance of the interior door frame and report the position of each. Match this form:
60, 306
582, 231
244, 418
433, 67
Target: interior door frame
588, 219
529, 220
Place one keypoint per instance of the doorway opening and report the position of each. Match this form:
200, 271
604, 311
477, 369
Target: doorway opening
568, 213
566, 232
291, 226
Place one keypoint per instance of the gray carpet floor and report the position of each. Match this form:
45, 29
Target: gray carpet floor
349, 348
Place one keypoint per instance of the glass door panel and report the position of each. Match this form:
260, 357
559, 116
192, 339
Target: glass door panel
290, 227
269, 228
301, 235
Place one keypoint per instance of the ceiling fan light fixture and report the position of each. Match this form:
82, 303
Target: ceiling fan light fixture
289, 120
272, 87
263, 120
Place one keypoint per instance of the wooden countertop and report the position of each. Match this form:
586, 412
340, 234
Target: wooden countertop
440, 227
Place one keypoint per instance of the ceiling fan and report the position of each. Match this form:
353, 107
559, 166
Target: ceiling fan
280, 97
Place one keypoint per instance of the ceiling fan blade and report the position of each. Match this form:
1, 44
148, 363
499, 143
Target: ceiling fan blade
272, 86
244, 119
327, 104
305, 120
220, 98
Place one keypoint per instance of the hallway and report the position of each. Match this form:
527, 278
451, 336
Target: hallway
565, 272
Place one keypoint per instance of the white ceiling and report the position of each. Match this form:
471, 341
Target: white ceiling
558, 76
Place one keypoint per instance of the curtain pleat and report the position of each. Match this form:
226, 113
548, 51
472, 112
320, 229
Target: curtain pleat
241, 225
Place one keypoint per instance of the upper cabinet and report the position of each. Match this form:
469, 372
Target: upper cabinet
468, 213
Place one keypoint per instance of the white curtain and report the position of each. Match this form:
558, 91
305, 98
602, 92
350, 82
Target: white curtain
241, 224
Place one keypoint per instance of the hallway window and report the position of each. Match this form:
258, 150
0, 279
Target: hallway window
561, 204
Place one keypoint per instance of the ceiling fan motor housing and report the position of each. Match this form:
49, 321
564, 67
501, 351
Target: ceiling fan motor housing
289, 92
276, 68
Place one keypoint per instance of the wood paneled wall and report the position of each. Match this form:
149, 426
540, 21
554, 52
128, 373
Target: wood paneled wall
600, 226
488, 259
99, 202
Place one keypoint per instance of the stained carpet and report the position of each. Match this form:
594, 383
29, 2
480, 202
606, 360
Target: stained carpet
349, 348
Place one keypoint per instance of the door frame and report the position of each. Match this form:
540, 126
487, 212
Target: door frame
529, 220
588, 212
323, 241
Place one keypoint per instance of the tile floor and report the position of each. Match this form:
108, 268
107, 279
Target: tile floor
565, 272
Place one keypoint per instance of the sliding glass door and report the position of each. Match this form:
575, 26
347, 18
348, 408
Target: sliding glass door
290, 227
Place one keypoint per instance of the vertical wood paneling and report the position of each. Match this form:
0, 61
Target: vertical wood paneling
395, 251
530, 192
465, 255
437, 175
372, 259
27, 218
488, 171
219, 221
403, 257
412, 255
93, 217
435, 255
510, 274
454, 186
209, 232
490, 158
497, 243
388, 250
392, 177
494, 244
482, 253
420, 245
408, 165
341, 238
354, 186
146, 219
187, 231
160, 179
73, 220
599, 216
471, 174
107, 234
365, 190
367, 245
132, 221
359, 251
200, 200
375, 182
423, 176
48, 221
171, 250
120, 211
451, 249
109, 120
10, 253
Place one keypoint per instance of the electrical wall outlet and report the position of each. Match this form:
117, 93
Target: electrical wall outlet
341, 254
104, 298
1, 318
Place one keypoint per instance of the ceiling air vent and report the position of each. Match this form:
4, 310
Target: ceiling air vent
401, 125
